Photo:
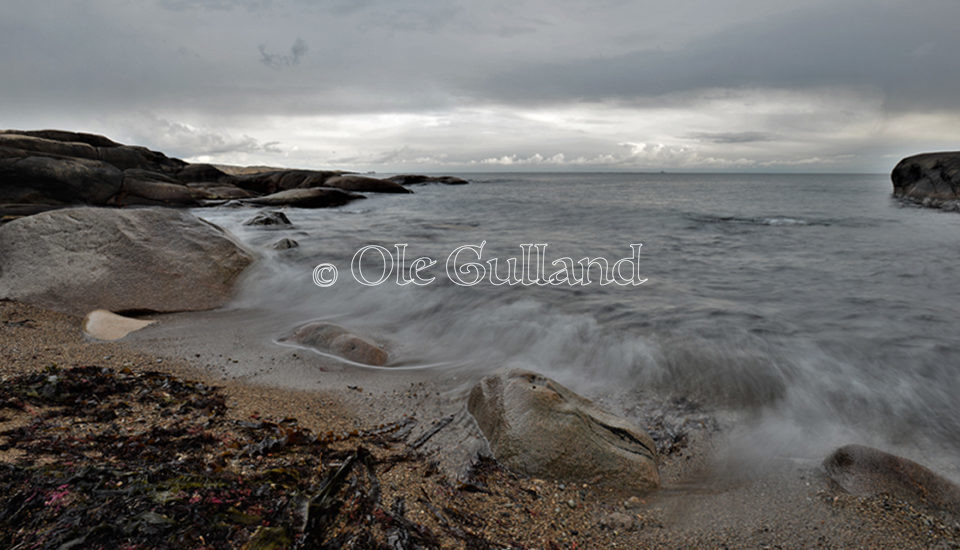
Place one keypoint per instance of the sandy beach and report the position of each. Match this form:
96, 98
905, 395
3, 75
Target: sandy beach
705, 501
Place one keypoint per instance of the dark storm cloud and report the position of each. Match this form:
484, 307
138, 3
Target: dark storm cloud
297, 50
734, 137
907, 53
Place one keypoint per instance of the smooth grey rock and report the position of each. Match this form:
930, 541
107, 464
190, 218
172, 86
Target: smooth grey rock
136, 191
35, 179
280, 180
538, 427
338, 341
365, 184
865, 471
150, 259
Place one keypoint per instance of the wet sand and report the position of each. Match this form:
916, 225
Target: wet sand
708, 499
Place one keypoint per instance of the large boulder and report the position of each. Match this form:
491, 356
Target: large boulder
149, 259
338, 341
28, 178
864, 471
538, 427
931, 179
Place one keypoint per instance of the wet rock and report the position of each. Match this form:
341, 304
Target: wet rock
865, 471
415, 179
317, 197
930, 179
149, 259
538, 427
268, 218
365, 184
285, 244
338, 341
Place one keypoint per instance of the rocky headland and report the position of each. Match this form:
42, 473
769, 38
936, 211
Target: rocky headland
47, 169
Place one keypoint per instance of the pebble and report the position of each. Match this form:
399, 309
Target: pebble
618, 521
632, 503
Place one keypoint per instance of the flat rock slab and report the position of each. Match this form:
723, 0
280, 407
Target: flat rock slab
105, 325
150, 259
864, 471
538, 427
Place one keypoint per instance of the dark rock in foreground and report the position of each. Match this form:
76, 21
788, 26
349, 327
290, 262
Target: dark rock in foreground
864, 471
538, 427
930, 179
147, 259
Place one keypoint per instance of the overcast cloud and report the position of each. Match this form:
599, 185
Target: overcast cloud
430, 85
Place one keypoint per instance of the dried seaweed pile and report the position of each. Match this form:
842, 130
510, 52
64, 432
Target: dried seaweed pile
104, 458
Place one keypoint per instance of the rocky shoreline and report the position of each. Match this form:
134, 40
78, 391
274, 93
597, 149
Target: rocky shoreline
47, 169
113, 443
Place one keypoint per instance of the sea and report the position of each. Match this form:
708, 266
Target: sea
814, 310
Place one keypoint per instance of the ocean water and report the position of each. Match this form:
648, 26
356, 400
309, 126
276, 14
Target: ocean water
815, 308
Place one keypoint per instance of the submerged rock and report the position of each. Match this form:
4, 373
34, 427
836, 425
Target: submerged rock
285, 244
147, 259
538, 427
864, 471
930, 179
338, 341
271, 217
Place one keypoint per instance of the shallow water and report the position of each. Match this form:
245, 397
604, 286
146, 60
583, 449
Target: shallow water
815, 305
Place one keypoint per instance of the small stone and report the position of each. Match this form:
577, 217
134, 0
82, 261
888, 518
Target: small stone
571, 503
632, 503
618, 521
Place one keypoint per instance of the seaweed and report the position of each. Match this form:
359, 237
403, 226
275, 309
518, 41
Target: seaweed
106, 458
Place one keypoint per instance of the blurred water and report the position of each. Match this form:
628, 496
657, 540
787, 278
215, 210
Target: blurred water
818, 306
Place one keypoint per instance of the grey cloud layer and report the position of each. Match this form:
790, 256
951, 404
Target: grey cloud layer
226, 62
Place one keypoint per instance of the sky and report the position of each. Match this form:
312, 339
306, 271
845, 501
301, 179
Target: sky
456, 85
